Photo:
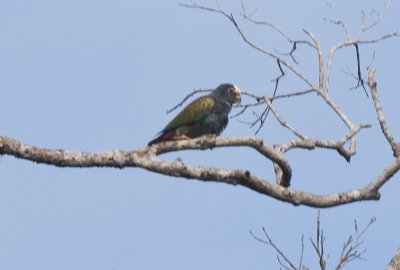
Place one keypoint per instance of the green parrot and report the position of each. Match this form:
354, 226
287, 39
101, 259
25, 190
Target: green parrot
205, 115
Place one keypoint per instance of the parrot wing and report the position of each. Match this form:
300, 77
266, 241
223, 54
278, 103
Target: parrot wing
192, 113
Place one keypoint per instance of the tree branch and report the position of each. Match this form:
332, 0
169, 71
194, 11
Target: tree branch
394, 262
350, 251
319, 244
378, 108
147, 158
269, 242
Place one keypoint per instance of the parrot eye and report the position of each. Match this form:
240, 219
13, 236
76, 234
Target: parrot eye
231, 90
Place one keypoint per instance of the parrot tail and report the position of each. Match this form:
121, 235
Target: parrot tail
165, 136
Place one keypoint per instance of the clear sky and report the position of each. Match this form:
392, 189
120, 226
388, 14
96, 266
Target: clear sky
99, 75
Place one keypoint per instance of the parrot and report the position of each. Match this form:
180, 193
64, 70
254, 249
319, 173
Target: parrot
204, 115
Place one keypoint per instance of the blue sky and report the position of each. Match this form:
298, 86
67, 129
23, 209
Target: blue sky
99, 75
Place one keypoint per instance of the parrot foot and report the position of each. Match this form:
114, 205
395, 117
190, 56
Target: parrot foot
212, 136
205, 139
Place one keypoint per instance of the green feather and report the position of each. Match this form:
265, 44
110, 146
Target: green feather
193, 113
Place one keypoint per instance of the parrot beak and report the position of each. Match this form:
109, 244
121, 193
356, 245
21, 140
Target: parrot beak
237, 94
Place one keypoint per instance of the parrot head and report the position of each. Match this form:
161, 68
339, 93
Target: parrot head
229, 93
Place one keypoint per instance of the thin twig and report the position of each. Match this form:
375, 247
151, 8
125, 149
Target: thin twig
266, 112
283, 122
260, 119
338, 21
350, 250
319, 244
360, 79
276, 248
374, 21
351, 43
302, 252
277, 29
244, 108
299, 93
280, 96
294, 48
320, 59
276, 80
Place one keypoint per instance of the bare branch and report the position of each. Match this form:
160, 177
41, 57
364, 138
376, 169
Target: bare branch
360, 79
299, 93
306, 141
365, 27
394, 262
302, 253
260, 100
146, 158
310, 143
277, 29
381, 119
194, 5
378, 39
260, 119
371, 221
320, 60
294, 48
282, 263
269, 242
329, 101
276, 80
319, 244
338, 21
282, 121
350, 251
244, 108
291, 53
351, 43
385, 175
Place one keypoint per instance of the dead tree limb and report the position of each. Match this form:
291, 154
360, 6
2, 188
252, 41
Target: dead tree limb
147, 158
394, 262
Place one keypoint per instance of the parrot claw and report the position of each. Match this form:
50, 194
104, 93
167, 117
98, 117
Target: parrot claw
207, 138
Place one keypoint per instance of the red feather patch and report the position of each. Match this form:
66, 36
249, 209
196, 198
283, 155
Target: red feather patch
167, 136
